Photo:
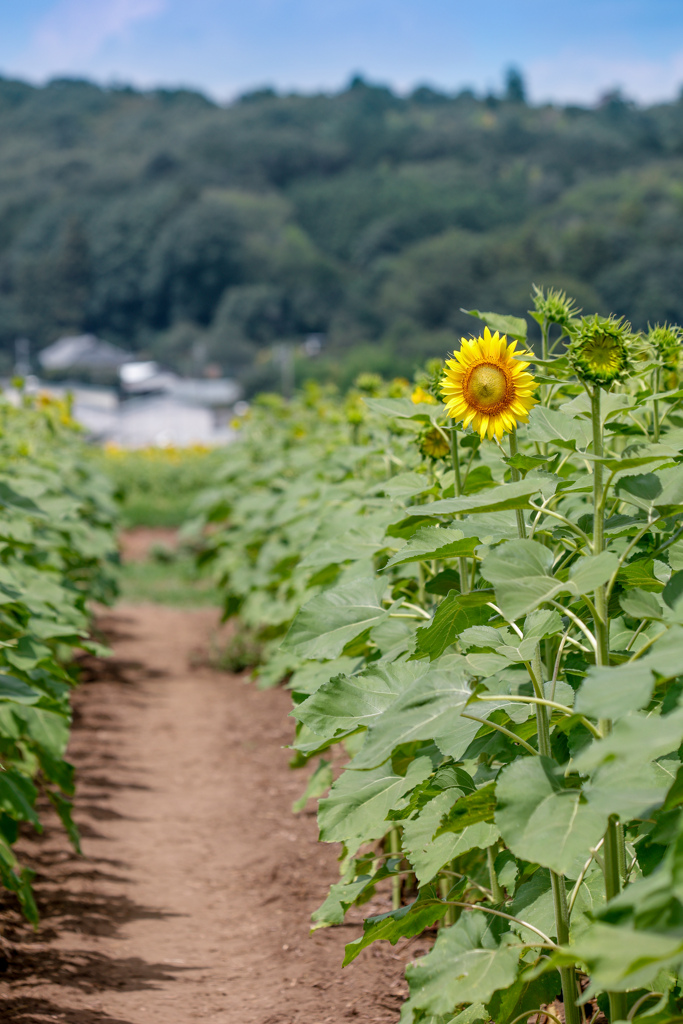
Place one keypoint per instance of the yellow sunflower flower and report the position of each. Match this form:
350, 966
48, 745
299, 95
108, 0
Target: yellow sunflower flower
486, 385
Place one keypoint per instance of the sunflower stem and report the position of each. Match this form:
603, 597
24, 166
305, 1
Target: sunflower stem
655, 407
613, 838
544, 390
559, 891
521, 526
601, 620
496, 891
395, 850
463, 567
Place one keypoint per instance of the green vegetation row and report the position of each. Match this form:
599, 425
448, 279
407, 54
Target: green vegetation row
488, 637
206, 234
57, 555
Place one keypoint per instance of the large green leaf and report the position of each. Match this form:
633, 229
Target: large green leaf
17, 690
405, 408
469, 962
623, 958
45, 728
433, 542
319, 782
471, 809
504, 323
403, 485
495, 499
428, 854
635, 739
430, 709
525, 995
340, 897
519, 570
543, 822
616, 691
550, 426
329, 621
670, 498
356, 809
450, 619
397, 924
346, 702
17, 797
360, 542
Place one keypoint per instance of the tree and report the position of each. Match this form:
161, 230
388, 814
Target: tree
515, 89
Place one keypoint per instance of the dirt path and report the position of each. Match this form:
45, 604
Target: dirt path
194, 897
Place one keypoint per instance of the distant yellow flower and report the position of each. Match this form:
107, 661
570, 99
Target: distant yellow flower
420, 396
485, 385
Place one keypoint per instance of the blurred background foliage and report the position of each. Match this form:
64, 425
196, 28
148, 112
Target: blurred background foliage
199, 234
156, 487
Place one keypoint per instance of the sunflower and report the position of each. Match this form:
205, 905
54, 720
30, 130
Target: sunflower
485, 385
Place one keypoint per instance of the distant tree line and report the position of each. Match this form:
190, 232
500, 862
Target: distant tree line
201, 234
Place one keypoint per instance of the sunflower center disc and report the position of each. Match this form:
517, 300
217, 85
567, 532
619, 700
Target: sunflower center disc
603, 355
487, 386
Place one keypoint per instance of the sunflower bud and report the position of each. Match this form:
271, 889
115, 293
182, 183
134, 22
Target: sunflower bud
354, 410
599, 350
369, 383
554, 307
666, 341
435, 444
399, 387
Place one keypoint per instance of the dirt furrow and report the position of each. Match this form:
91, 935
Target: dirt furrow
193, 899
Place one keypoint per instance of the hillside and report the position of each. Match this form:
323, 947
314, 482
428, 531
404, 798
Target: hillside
200, 234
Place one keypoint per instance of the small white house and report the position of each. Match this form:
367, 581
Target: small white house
164, 420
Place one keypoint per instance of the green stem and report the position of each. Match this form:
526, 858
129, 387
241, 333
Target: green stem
395, 848
611, 853
601, 621
501, 728
570, 989
496, 890
521, 527
463, 567
567, 974
445, 886
618, 1006
655, 408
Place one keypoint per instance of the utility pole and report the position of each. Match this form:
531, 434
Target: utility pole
285, 357
22, 357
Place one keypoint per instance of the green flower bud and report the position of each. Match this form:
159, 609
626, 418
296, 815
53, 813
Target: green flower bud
554, 307
435, 444
599, 349
369, 383
666, 341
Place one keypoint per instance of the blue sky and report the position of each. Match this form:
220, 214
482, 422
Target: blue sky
568, 51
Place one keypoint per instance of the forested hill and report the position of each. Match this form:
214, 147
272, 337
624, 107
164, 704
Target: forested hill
199, 233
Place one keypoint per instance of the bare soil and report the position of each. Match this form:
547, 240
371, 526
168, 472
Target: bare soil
137, 544
193, 899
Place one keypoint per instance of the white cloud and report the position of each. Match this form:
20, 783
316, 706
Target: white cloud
576, 76
73, 32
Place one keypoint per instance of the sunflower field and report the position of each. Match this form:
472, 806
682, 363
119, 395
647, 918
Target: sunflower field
57, 554
477, 607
